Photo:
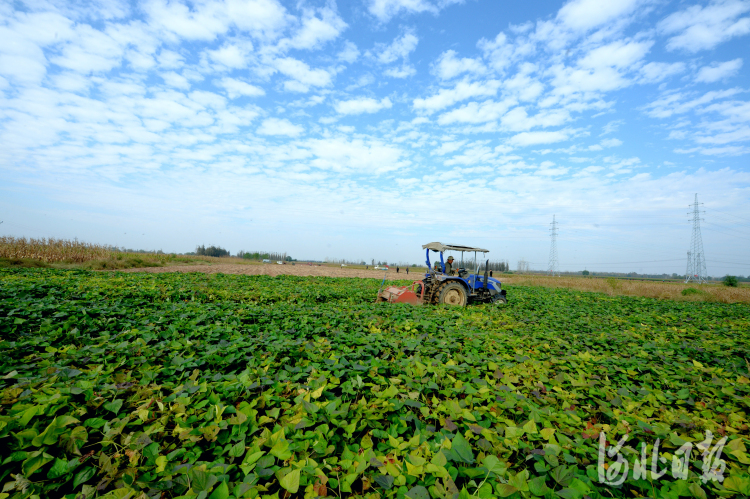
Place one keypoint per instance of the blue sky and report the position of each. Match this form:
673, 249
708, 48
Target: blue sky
363, 129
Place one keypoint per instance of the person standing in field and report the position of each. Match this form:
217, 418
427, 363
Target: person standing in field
397, 269
407, 270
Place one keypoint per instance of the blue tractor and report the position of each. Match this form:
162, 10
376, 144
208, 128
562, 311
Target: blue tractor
459, 287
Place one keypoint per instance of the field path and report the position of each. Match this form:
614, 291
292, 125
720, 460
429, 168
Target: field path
274, 270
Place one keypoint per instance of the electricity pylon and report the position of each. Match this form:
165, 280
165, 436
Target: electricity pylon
696, 264
554, 268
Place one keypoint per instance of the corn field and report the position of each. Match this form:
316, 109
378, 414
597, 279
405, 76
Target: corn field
52, 250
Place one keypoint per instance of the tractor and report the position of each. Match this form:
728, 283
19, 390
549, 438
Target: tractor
438, 287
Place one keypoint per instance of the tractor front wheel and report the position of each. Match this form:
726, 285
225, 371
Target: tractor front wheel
453, 294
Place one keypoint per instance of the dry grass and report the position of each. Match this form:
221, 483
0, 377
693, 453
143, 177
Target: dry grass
650, 289
63, 253
51, 250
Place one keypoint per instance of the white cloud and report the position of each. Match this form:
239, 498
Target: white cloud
90, 50
400, 48
699, 28
237, 88
474, 112
168, 59
276, 126
534, 138
362, 81
463, 90
448, 147
359, 156
384, 10
315, 31
262, 19
175, 80
517, 120
716, 151
587, 14
611, 142
675, 103
654, 72
619, 54
202, 23
718, 71
362, 105
349, 53
400, 72
448, 66
231, 56
303, 76
523, 87
612, 126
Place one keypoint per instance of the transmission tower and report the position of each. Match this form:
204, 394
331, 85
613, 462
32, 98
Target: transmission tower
696, 263
553, 264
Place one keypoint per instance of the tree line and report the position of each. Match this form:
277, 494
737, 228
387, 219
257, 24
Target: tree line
264, 255
211, 251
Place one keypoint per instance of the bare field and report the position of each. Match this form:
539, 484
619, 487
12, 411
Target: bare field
650, 289
669, 290
275, 269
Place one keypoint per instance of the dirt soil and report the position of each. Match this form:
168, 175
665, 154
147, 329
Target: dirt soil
274, 270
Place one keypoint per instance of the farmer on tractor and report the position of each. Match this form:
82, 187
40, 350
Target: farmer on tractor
449, 266
447, 285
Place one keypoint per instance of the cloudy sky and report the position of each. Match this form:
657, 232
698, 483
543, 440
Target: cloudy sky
363, 129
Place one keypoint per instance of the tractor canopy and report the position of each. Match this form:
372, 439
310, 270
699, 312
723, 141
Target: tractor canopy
447, 247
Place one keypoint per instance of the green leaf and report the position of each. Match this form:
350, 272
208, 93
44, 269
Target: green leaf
418, 492
562, 475
290, 481
385, 481
30, 413
537, 486
114, 406
494, 465
697, 491
201, 481
504, 489
237, 449
58, 469
220, 492
95, 422
151, 451
281, 450
35, 461
73, 441
462, 449
84, 476
485, 491
569, 493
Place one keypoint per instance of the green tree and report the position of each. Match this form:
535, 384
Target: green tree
585, 272
730, 281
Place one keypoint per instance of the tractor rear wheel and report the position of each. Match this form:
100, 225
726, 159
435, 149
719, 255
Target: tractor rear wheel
452, 293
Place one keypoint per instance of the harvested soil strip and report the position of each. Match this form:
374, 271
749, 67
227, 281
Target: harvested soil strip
274, 270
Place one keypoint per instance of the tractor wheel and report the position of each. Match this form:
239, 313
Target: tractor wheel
453, 294
502, 300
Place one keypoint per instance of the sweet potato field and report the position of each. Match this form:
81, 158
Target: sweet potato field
215, 386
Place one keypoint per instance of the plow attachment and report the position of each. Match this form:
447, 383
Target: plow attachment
412, 294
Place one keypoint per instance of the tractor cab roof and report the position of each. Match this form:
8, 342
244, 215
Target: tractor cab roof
446, 247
